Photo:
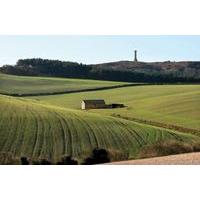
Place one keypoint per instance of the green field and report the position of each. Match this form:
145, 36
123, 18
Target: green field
52, 126
28, 128
173, 104
20, 85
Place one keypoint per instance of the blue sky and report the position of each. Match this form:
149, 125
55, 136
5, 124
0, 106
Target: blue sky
99, 49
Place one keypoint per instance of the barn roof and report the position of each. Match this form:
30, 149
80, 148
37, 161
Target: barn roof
94, 101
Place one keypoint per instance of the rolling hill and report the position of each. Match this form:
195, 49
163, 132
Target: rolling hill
52, 126
23, 85
38, 130
170, 104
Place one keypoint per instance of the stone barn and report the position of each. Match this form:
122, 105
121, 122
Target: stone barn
92, 104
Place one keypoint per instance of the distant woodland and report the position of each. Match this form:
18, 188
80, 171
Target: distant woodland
154, 72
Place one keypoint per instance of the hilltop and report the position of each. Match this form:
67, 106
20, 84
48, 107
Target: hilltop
151, 72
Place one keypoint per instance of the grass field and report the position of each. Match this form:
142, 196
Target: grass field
173, 104
28, 128
20, 85
53, 126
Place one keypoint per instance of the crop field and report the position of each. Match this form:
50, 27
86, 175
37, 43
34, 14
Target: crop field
22, 85
33, 129
52, 126
173, 104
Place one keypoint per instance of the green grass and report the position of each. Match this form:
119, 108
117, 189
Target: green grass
10, 84
173, 104
28, 128
52, 126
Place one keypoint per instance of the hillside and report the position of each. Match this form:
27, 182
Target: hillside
29, 128
175, 69
22, 85
155, 72
168, 104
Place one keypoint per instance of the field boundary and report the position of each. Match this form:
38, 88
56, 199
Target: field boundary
73, 91
161, 125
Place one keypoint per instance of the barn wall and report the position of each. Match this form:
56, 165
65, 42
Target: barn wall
83, 106
93, 106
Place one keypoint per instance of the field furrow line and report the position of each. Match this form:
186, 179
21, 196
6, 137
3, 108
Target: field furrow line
117, 138
130, 139
76, 144
17, 143
133, 133
3, 126
30, 133
63, 133
37, 132
90, 131
119, 141
42, 135
12, 131
68, 134
85, 135
48, 148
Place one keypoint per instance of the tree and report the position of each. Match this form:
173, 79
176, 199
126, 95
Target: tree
98, 156
24, 161
67, 160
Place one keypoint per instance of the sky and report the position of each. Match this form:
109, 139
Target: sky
99, 49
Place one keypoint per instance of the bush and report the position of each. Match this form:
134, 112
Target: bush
98, 156
196, 147
117, 155
45, 162
42, 161
165, 148
67, 160
24, 161
35, 162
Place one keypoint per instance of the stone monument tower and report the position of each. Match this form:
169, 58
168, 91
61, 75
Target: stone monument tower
135, 56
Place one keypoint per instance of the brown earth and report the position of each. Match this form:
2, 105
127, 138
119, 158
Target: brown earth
180, 159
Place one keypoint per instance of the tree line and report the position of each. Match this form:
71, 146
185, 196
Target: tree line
146, 73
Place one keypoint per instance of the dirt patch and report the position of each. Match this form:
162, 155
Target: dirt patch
181, 159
